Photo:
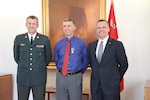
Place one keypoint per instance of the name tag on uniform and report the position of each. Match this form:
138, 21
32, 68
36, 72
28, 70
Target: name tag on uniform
40, 46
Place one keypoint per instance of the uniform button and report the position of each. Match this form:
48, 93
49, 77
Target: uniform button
30, 68
30, 48
30, 63
30, 59
31, 54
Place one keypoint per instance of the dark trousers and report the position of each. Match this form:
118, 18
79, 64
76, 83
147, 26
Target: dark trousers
100, 95
37, 91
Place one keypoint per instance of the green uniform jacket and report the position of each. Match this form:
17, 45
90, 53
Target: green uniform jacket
32, 59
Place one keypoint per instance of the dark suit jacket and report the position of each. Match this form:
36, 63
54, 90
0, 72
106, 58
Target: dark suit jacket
111, 69
32, 59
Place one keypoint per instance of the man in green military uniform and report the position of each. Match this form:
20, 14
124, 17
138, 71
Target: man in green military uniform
32, 53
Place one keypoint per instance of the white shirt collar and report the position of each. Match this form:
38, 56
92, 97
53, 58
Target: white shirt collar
104, 44
104, 40
34, 35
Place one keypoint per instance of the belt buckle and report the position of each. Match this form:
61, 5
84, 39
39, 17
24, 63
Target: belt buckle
70, 73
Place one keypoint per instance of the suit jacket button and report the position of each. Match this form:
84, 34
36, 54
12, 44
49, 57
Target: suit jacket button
30, 68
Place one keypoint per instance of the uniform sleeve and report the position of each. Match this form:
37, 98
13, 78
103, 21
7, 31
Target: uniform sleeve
48, 51
16, 50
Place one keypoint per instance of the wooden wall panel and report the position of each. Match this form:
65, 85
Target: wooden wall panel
5, 87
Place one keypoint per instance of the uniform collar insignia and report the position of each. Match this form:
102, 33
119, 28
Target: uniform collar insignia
37, 37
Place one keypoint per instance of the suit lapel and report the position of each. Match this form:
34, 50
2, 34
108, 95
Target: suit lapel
94, 50
108, 45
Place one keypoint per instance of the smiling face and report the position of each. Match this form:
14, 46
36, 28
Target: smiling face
68, 28
32, 25
102, 29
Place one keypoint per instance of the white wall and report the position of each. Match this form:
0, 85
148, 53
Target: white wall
132, 16
13, 14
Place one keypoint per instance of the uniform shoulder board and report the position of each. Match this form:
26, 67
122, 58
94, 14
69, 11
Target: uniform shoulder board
21, 34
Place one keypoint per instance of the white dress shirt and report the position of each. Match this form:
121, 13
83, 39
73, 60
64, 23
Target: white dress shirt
98, 44
29, 35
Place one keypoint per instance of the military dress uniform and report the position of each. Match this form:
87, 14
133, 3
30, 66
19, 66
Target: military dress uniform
32, 59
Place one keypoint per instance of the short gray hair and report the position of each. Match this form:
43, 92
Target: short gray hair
69, 20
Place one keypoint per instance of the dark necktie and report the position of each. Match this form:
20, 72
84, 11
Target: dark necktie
66, 57
100, 51
31, 40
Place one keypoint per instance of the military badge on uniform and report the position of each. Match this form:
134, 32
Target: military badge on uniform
40, 46
22, 44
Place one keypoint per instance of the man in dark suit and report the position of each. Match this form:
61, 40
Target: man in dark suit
108, 62
32, 53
